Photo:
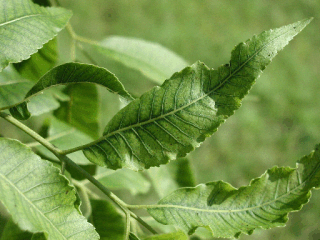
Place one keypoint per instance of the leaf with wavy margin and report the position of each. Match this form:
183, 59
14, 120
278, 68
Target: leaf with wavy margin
172, 120
228, 211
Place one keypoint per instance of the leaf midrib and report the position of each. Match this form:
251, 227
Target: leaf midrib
20, 18
192, 102
31, 204
238, 210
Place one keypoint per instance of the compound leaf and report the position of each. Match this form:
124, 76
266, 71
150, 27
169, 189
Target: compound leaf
25, 27
228, 211
71, 73
37, 196
170, 121
153, 60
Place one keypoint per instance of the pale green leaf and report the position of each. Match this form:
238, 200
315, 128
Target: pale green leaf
108, 222
169, 236
71, 73
127, 179
170, 121
170, 177
153, 60
25, 27
40, 62
37, 196
13, 89
82, 110
65, 136
228, 211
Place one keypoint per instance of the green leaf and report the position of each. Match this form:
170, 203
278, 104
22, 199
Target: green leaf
228, 211
135, 182
107, 220
132, 236
153, 60
12, 232
40, 62
45, 3
25, 27
169, 236
170, 121
65, 136
71, 73
82, 110
13, 89
37, 196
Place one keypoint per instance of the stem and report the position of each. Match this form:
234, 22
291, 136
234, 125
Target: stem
70, 163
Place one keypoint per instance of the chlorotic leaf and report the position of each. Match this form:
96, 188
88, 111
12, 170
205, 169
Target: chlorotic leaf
19, 20
170, 121
228, 212
65, 136
153, 60
169, 236
37, 196
108, 221
71, 73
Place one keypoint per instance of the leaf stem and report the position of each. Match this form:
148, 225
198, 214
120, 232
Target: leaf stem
58, 153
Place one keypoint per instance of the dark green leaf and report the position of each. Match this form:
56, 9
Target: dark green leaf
19, 21
107, 220
71, 73
40, 62
82, 110
37, 196
228, 211
170, 121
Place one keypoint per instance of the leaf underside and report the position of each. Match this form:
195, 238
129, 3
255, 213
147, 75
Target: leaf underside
72, 73
37, 196
228, 212
170, 121
25, 27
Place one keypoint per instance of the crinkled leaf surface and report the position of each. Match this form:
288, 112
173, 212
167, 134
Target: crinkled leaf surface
169, 236
228, 212
37, 196
108, 221
82, 109
127, 179
71, 73
25, 27
40, 62
170, 121
65, 136
153, 60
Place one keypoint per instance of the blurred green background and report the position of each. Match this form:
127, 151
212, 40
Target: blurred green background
279, 120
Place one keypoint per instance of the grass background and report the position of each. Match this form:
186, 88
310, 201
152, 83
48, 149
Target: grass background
279, 120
